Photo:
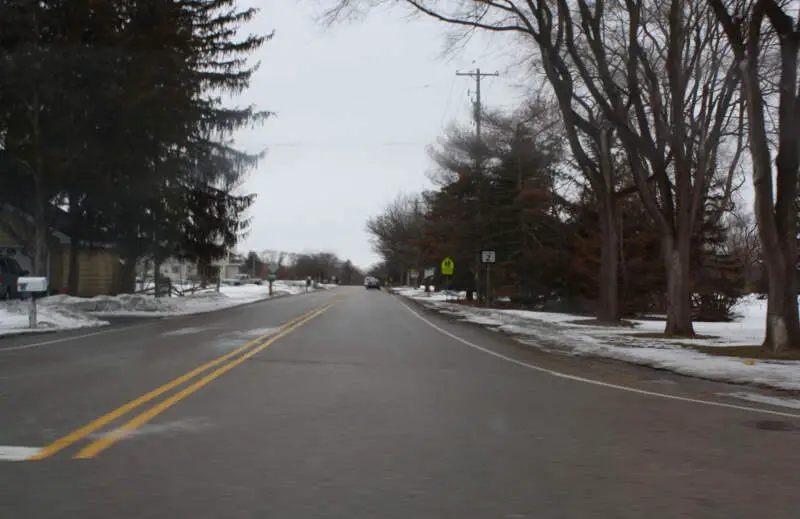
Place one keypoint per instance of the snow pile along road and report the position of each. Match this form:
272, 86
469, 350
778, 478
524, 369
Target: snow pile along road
110, 305
61, 312
14, 318
565, 334
200, 302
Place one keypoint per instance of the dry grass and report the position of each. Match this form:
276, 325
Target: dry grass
749, 352
662, 335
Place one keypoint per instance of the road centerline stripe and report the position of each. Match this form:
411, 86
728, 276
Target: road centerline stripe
94, 425
101, 444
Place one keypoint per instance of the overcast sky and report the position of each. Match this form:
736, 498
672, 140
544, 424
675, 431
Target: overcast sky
356, 106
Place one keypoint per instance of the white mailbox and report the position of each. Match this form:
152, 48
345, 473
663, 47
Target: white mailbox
31, 284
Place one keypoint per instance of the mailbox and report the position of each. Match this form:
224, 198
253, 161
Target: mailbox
30, 285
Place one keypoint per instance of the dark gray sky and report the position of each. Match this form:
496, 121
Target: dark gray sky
356, 106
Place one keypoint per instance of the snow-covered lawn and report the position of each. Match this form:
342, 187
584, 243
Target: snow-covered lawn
199, 302
564, 333
14, 318
66, 312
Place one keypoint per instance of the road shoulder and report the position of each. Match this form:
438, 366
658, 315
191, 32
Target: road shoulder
605, 371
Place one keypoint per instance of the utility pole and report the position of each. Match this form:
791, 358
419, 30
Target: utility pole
478, 75
477, 112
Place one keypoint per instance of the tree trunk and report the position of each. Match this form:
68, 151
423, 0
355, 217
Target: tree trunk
203, 271
783, 328
608, 310
40, 234
679, 287
127, 276
156, 274
40, 195
74, 275
471, 286
776, 216
74, 247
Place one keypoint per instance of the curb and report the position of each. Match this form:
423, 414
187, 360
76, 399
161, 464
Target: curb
28, 331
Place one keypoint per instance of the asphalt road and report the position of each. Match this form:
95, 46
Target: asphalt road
356, 404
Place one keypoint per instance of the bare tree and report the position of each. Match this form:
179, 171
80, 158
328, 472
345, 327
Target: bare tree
743, 244
750, 25
657, 77
669, 92
585, 132
396, 233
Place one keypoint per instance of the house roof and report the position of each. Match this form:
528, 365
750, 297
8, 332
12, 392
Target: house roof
59, 235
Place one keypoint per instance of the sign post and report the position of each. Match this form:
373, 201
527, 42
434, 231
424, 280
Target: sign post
488, 257
447, 270
272, 270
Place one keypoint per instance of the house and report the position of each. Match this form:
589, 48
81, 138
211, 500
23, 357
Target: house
230, 265
98, 267
179, 270
182, 271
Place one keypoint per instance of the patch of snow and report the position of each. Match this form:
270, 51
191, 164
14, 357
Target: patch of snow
148, 305
14, 318
484, 320
444, 295
550, 317
63, 312
256, 332
191, 330
192, 425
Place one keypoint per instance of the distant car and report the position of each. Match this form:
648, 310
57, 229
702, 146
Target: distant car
371, 282
10, 271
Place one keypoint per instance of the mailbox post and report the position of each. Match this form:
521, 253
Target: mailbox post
32, 286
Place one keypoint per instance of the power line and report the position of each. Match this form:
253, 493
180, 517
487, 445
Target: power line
446, 110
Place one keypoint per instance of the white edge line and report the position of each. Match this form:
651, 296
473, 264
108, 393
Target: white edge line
596, 382
72, 338
13, 453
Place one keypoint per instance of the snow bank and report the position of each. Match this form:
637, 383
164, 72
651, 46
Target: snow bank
200, 302
14, 318
61, 312
565, 333
444, 295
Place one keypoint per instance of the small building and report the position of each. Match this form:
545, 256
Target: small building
180, 270
99, 267
231, 265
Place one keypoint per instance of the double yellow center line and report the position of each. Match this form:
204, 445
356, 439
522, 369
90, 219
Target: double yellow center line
245, 352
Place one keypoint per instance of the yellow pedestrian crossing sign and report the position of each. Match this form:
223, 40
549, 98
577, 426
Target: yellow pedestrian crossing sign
447, 267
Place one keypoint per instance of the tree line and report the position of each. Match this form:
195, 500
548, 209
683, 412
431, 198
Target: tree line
319, 266
661, 107
529, 206
114, 127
